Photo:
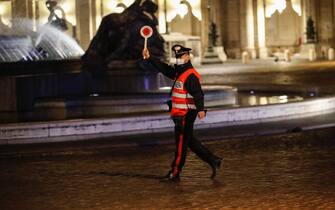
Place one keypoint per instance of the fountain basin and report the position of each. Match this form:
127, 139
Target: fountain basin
125, 104
62, 89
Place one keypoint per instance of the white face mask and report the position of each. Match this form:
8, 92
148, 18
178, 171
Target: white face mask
191, 56
180, 61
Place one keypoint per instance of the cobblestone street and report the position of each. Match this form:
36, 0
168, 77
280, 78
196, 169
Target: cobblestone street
292, 171
99, 97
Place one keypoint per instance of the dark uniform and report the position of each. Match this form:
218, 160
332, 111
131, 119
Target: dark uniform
184, 123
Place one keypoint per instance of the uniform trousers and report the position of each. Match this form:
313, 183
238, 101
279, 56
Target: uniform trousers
184, 138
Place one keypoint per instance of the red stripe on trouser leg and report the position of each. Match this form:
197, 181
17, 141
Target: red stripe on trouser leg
180, 150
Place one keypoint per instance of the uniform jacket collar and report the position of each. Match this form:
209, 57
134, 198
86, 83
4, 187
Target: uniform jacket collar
182, 68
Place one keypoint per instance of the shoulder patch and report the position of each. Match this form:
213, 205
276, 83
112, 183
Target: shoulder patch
178, 85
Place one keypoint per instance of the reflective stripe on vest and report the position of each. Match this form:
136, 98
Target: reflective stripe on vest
181, 95
182, 101
184, 106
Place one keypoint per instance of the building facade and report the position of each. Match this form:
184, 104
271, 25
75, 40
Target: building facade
266, 27
263, 28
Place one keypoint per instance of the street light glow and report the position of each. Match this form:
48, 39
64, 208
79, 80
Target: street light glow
182, 10
69, 10
279, 5
66, 7
112, 5
128, 2
2, 9
5, 12
196, 8
119, 9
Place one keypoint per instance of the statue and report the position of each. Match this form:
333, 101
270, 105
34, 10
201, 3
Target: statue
118, 37
54, 19
310, 30
213, 36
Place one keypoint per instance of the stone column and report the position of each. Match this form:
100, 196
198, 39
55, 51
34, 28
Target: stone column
94, 14
21, 9
204, 25
325, 25
211, 55
310, 50
99, 15
216, 8
261, 29
250, 28
304, 16
218, 19
314, 4
334, 23
313, 8
84, 22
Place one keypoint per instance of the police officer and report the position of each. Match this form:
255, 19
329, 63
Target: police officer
187, 102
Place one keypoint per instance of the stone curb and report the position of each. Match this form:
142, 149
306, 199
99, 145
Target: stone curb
72, 130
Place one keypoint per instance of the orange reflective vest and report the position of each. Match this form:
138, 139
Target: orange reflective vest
182, 101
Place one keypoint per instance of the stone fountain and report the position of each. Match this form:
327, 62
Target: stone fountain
111, 60
44, 79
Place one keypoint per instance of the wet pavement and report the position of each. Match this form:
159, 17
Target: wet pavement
291, 171
318, 77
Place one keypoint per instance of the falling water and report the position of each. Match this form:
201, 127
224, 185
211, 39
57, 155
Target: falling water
47, 43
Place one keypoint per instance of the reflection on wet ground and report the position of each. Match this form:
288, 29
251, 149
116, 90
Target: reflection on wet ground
256, 99
318, 77
292, 171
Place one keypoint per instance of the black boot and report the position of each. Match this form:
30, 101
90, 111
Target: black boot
171, 178
215, 164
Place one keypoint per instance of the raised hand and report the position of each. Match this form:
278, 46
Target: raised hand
145, 53
201, 114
